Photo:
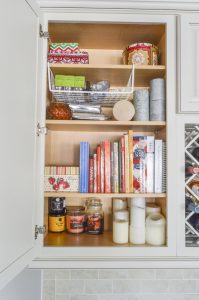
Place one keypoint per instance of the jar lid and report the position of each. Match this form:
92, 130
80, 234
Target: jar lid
74, 209
93, 202
121, 215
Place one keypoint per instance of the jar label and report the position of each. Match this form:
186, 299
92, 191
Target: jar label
75, 224
94, 224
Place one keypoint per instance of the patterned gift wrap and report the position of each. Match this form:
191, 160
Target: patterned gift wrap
141, 54
64, 48
75, 58
61, 178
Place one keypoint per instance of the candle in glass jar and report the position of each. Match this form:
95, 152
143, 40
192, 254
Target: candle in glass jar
155, 229
121, 227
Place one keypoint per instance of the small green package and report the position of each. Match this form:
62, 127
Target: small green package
65, 80
80, 81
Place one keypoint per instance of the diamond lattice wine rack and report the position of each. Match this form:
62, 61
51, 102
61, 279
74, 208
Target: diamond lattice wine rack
192, 185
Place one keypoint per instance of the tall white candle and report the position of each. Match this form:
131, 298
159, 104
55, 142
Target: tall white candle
120, 232
137, 235
156, 229
121, 227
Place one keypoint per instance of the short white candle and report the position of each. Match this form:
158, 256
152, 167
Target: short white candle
155, 229
121, 226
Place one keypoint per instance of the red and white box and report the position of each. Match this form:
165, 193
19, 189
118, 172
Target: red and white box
61, 178
73, 58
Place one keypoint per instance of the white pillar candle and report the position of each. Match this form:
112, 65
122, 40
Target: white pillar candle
121, 227
119, 204
137, 235
120, 232
137, 212
156, 229
152, 208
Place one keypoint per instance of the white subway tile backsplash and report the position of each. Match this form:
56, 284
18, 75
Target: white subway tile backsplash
191, 273
154, 286
62, 297
62, 274
121, 284
48, 290
141, 273
113, 297
182, 286
126, 286
168, 297
191, 297
98, 286
84, 274
69, 286
169, 274
83, 297
113, 274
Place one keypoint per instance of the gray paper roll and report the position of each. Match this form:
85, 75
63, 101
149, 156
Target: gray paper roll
157, 100
157, 89
141, 104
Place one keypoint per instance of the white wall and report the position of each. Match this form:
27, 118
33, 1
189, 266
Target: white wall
26, 286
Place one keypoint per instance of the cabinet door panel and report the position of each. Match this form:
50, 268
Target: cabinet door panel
187, 170
188, 64
18, 51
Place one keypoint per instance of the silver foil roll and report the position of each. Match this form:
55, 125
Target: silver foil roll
87, 116
157, 100
141, 104
157, 89
85, 108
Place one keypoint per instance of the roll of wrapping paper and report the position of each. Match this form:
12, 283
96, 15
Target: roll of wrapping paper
141, 105
157, 100
85, 108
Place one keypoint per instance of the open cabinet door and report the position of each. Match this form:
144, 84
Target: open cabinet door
18, 125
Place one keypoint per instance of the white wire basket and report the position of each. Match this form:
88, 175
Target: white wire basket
105, 98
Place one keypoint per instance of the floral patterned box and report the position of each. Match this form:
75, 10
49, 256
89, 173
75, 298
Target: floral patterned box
61, 178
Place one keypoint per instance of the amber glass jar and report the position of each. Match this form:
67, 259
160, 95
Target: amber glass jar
56, 222
94, 216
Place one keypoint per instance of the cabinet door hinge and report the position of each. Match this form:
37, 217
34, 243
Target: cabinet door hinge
43, 34
39, 230
41, 130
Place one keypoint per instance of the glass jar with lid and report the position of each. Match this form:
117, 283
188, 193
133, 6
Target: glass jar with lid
75, 219
94, 216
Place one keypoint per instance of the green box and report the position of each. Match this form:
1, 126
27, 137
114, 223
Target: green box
80, 81
65, 80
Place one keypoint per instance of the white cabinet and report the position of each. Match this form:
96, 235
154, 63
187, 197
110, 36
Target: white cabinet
188, 63
49, 250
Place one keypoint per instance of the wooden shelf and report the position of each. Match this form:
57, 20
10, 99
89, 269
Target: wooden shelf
65, 239
73, 125
118, 75
104, 195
